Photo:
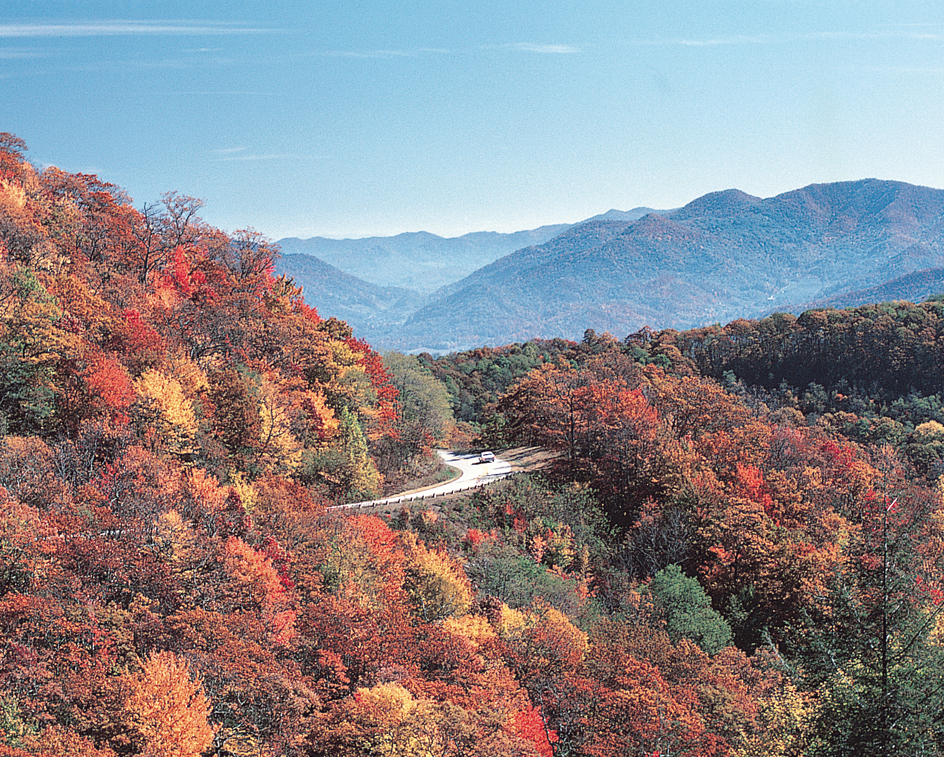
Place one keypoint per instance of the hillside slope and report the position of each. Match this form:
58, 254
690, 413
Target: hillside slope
368, 308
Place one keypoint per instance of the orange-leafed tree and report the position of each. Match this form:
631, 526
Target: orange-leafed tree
529, 724
108, 388
166, 708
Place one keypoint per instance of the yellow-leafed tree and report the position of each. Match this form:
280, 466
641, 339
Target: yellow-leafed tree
167, 411
438, 588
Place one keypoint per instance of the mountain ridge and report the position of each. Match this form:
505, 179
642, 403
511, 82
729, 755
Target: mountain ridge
371, 308
722, 256
417, 260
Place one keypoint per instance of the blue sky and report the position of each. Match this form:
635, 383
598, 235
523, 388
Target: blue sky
365, 117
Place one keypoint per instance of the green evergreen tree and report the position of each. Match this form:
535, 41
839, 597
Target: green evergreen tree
687, 610
361, 478
874, 653
424, 413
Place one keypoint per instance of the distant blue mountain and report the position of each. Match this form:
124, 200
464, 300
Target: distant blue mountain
418, 260
723, 256
371, 310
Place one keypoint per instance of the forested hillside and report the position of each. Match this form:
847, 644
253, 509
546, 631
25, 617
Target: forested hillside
370, 308
712, 566
150, 327
871, 373
801, 489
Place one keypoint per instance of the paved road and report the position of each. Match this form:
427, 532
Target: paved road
474, 473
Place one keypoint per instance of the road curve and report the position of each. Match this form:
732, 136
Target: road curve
473, 473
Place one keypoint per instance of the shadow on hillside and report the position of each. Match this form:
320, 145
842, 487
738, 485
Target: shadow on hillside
529, 459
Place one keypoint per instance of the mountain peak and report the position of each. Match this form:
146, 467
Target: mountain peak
625, 215
725, 202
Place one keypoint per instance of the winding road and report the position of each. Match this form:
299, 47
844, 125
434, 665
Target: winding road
473, 473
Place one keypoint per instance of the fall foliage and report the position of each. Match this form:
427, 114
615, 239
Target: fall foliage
712, 566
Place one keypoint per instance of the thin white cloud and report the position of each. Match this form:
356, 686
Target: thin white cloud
855, 36
223, 93
368, 54
273, 156
531, 47
528, 47
13, 53
825, 36
372, 53
241, 154
711, 41
902, 33
124, 28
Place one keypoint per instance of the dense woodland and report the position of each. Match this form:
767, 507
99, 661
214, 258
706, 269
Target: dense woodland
738, 550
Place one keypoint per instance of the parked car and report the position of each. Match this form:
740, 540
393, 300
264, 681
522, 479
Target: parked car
487, 457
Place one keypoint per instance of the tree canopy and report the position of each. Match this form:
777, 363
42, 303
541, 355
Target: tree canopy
716, 562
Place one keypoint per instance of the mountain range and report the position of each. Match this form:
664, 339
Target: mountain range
723, 256
417, 260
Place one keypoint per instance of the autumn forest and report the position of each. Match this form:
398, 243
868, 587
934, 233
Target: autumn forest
735, 547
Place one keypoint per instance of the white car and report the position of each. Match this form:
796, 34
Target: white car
487, 457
